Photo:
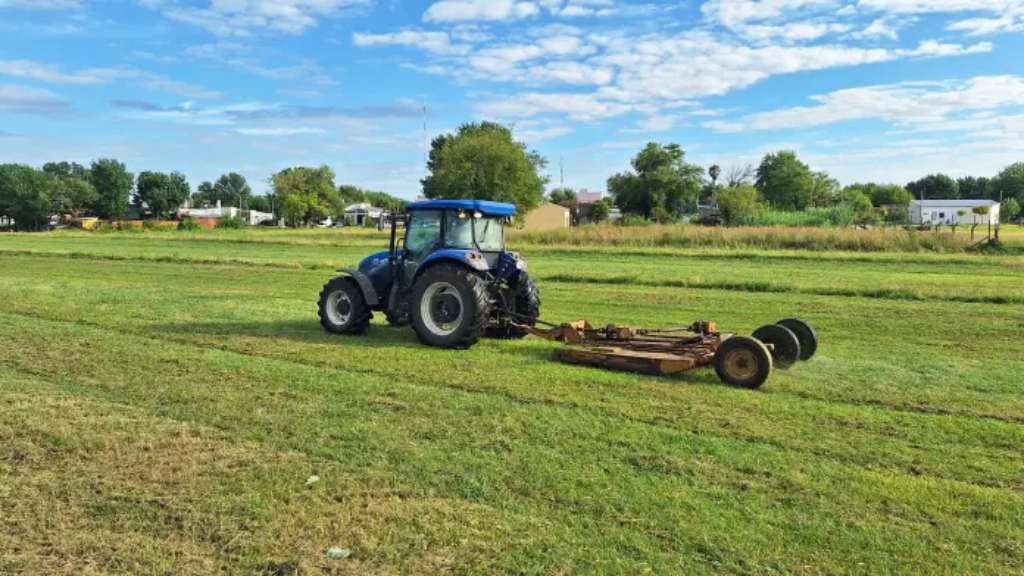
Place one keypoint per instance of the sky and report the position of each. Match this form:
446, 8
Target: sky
868, 90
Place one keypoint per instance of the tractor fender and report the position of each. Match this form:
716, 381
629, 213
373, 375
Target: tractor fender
471, 258
369, 293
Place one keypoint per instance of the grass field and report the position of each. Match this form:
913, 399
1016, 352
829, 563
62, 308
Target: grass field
166, 398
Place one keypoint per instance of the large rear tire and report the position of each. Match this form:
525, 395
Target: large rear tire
743, 362
525, 298
343, 308
450, 307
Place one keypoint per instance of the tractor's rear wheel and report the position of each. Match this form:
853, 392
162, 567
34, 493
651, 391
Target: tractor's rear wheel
343, 308
525, 300
743, 362
450, 307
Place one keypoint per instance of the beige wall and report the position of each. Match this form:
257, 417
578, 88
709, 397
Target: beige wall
547, 217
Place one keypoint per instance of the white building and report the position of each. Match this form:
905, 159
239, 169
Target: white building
251, 217
356, 214
948, 212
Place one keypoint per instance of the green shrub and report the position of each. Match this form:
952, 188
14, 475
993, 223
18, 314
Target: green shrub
189, 225
833, 216
106, 228
636, 221
231, 223
150, 225
127, 227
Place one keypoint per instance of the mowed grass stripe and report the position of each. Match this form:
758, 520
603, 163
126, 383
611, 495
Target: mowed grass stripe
958, 287
681, 501
498, 368
90, 485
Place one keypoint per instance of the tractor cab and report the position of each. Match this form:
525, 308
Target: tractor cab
466, 230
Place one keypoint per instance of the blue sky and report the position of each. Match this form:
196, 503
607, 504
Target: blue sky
883, 90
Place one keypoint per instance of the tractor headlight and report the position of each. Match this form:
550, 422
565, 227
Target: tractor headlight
521, 265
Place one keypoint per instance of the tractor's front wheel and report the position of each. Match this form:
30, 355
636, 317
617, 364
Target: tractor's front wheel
450, 307
343, 308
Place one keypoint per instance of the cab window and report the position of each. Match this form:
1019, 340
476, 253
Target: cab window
424, 232
460, 228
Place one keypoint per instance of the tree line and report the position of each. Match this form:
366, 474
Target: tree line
31, 197
484, 161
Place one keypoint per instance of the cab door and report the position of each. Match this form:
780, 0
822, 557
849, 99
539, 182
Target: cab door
422, 238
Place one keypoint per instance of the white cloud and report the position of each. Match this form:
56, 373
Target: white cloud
983, 26
653, 124
584, 107
432, 42
913, 103
25, 100
240, 17
95, 76
41, 4
534, 134
470, 10
733, 13
48, 73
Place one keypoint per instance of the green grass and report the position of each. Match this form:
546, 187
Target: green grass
163, 410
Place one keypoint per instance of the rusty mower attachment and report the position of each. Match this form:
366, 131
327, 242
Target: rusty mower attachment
738, 360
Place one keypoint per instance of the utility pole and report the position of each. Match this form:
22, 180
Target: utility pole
561, 170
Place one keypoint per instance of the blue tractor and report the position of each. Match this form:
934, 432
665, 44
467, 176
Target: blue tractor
450, 276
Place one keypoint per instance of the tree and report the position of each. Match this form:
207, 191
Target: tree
205, 195
384, 200
600, 211
714, 172
662, 185
26, 196
972, 188
562, 196
883, 194
306, 194
859, 203
934, 187
738, 202
161, 193
1009, 209
351, 194
113, 183
482, 161
66, 170
785, 182
739, 175
231, 189
1010, 182
260, 204
72, 192
978, 211
824, 190
73, 196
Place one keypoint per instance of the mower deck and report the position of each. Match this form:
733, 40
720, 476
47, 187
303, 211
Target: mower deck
741, 361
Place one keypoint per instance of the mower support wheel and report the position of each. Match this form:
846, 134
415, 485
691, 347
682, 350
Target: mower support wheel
743, 362
805, 334
785, 345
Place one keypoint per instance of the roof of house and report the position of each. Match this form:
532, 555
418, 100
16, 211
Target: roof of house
484, 206
584, 197
954, 203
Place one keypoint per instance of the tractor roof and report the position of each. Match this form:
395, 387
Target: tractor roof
484, 206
